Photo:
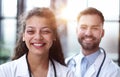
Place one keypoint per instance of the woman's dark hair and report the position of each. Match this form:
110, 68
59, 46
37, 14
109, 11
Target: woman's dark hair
21, 48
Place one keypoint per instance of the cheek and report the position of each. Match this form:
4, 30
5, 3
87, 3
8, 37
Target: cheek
48, 37
27, 37
80, 33
49, 40
98, 34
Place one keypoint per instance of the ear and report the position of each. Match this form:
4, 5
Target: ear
54, 39
76, 29
23, 38
103, 31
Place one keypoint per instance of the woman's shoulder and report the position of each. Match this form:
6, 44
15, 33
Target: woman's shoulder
12, 65
60, 66
13, 62
63, 70
12, 68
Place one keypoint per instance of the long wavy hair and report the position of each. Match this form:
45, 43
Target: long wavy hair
55, 51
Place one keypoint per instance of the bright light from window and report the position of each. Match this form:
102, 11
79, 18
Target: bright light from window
9, 31
9, 8
72, 9
110, 12
37, 3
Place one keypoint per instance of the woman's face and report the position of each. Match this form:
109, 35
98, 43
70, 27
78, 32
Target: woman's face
38, 35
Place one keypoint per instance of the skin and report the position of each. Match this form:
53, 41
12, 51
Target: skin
90, 32
39, 38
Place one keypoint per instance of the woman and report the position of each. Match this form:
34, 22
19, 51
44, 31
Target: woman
38, 50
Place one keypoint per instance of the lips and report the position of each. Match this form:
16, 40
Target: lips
38, 45
88, 40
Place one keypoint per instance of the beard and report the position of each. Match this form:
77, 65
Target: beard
89, 45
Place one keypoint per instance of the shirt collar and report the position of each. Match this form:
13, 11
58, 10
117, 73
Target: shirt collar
92, 57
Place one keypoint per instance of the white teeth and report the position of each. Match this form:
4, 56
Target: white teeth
88, 39
38, 44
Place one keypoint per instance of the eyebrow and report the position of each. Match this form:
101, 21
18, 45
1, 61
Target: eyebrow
95, 25
92, 25
29, 27
34, 27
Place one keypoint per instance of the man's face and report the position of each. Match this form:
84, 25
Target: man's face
90, 31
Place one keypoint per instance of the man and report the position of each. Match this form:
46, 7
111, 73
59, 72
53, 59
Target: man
92, 60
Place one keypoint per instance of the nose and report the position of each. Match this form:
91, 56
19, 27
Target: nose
88, 32
38, 36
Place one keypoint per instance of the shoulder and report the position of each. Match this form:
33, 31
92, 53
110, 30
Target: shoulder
63, 71
110, 64
111, 68
73, 59
11, 66
14, 62
60, 66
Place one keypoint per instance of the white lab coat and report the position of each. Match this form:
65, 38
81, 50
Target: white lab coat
109, 69
19, 68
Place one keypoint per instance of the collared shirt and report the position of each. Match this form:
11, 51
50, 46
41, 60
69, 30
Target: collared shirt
87, 61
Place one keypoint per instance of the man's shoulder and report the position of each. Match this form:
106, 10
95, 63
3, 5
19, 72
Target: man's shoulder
73, 57
111, 64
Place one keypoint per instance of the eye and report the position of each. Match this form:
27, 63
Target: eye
83, 27
46, 31
30, 31
95, 28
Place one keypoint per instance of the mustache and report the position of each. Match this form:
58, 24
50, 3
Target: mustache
89, 36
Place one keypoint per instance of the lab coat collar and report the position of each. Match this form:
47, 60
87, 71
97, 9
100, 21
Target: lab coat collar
92, 69
95, 66
78, 59
22, 68
50, 74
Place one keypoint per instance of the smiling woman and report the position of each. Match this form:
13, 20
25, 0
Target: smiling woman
38, 49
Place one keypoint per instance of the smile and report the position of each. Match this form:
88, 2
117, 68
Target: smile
38, 45
88, 39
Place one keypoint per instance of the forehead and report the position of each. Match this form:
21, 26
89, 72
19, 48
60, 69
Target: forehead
90, 19
35, 21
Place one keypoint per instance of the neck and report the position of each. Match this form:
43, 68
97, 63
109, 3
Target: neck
36, 62
89, 51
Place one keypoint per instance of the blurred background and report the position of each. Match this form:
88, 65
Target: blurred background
66, 12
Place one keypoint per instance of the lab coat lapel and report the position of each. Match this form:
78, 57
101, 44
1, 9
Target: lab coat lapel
22, 68
50, 70
95, 66
90, 71
78, 59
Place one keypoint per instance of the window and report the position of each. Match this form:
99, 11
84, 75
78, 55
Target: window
8, 13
